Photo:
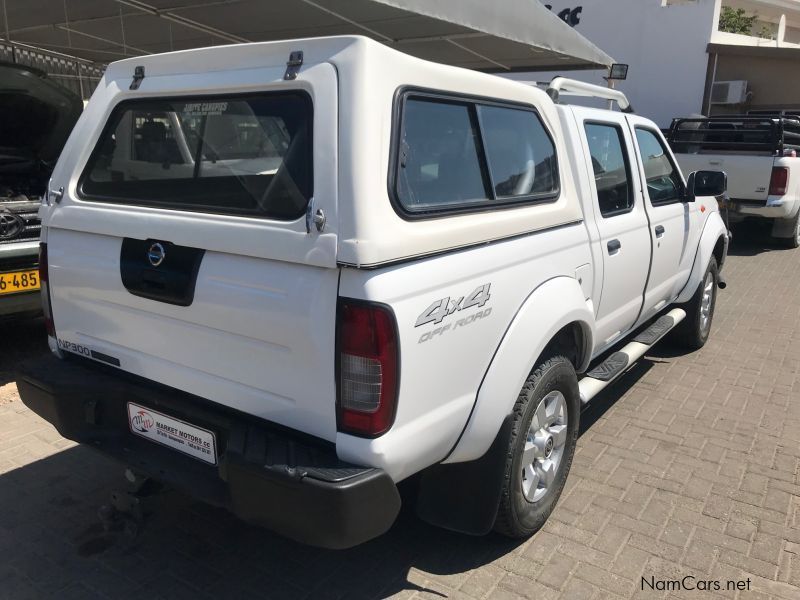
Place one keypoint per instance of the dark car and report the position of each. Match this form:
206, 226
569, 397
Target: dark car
36, 117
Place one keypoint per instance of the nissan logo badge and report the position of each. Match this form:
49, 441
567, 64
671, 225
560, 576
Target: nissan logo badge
156, 254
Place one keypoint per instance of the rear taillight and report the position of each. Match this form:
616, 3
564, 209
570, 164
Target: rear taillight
44, 278
779, 181
368, 368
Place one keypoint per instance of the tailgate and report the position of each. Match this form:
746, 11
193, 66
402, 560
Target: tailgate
180, 252
748, 175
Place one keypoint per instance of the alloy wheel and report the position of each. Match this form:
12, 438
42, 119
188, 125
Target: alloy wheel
544, 446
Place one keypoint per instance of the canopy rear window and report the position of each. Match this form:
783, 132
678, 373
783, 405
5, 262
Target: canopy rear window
456, 155
243, 155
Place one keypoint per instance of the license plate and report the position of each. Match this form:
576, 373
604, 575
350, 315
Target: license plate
179, 435
20, 281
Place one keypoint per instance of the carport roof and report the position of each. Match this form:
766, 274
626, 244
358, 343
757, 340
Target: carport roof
511, 35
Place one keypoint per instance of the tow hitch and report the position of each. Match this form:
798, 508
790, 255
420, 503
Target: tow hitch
126, 511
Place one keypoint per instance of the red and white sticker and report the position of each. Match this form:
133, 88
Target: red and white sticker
160, 428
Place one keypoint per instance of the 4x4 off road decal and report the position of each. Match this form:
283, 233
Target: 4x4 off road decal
441, 309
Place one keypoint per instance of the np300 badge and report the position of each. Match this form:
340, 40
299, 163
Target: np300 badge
156, 254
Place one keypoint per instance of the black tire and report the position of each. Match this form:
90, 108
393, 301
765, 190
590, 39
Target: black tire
691, 333
517, 516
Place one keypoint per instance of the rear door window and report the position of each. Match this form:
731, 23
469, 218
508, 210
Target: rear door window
242, 155
612, 174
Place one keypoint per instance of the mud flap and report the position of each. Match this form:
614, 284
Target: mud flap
785, 228
464, 496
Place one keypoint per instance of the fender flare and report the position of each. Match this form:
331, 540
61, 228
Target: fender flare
561, 300
713, 230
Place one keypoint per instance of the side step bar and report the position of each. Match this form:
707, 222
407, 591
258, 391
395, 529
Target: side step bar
617, 363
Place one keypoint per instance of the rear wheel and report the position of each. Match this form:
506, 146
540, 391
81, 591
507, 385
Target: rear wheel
694, 330
541, 447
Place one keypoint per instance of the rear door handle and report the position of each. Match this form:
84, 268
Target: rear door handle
614, 246
659, 230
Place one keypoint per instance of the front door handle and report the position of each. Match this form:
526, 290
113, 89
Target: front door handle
614, 246
659, 230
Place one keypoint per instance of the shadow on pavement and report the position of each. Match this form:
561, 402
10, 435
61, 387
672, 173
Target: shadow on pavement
751, 238
52, 540
20, 339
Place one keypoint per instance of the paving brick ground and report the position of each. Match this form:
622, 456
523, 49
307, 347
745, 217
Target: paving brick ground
690, 466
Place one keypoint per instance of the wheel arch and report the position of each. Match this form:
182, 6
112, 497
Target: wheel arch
568, 328
573, 341
713, 243
475, 467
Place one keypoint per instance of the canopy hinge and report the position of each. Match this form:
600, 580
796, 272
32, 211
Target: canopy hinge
138, 75
293, 65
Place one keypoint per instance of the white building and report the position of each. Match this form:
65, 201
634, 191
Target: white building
676, 52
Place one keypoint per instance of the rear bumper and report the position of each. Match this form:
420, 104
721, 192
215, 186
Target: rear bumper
773, 208
266, 475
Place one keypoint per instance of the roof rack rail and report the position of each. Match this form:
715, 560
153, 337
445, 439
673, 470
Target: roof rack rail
564, 84
770, 134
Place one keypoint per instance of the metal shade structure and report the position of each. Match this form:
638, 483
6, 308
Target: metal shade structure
503, 36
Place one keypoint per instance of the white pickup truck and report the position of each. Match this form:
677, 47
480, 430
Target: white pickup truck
286, 286
759, 155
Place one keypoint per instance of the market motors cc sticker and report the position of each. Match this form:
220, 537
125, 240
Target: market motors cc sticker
174, 433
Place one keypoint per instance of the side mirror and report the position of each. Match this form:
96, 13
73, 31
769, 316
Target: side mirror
706, 183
